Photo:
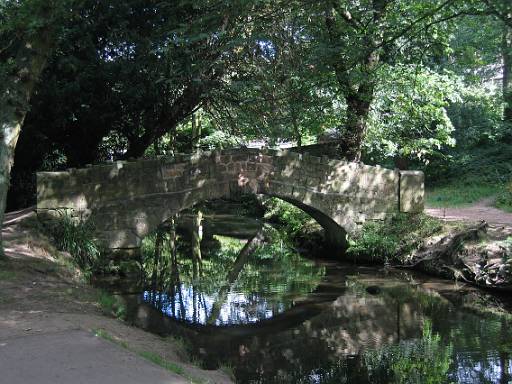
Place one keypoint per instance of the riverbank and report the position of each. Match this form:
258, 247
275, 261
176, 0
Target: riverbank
472, 244
44, 298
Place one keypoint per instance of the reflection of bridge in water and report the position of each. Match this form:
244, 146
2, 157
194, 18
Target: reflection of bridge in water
332, 322
128, 200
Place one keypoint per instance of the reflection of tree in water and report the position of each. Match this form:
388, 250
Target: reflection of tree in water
226, 280
371, 333
423, 361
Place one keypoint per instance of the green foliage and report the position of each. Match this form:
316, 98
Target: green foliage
468, 176
374, 242
7, 275
77, 238
409, 118
477, 117
112, 305
504, 199
459, 193
423, 361
160, 361
491, 164
474, 49
392, 240
292, 218
218, 140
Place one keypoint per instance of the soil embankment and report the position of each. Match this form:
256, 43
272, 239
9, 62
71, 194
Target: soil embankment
475, 248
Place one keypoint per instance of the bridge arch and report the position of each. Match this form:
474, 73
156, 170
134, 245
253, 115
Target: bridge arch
128, 200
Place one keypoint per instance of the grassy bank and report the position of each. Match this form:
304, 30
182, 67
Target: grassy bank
393, 240
469, 176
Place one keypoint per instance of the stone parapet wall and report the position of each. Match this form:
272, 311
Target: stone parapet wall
126, 200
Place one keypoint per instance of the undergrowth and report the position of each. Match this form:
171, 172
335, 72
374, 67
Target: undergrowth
300, 230
504, 199
285, 214
470, 175
76, 238
112, 305
459, 194
391, 240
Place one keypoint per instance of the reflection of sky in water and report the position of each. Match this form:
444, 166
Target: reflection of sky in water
191, 305
475, 368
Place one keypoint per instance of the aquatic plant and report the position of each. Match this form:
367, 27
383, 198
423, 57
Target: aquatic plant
423, 361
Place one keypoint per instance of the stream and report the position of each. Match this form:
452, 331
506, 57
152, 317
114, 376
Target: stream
273, 315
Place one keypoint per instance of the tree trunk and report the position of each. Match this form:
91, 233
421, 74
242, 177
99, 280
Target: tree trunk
157, 256
196, 131
358, 109
196, 244
507, 73
241, 260
30, 61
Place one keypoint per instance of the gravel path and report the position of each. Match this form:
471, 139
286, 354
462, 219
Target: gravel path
483, 210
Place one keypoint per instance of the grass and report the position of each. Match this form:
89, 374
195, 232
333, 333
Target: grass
149, 356
158, 360
111, 305
458, 194
504, 199
107, 336
470, 175
461, 194
7, 275
77, 238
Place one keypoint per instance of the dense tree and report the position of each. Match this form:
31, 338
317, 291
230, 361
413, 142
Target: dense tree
28, 34
123, 75
278, 96
133, 71
502, 9
359, 36
409, 118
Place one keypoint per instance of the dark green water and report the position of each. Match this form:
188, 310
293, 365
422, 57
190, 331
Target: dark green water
277, 317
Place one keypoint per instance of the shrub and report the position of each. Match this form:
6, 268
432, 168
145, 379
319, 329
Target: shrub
374, 242
291, 217
77, 239
504, 199
112, 305
393, 239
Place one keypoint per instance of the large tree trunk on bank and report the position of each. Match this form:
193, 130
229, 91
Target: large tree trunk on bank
507, 73
30, 61
358, 110
358, 89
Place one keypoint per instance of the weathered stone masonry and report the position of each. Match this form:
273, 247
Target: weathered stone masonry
128, 200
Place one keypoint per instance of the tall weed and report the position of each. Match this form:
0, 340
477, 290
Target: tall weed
77, 238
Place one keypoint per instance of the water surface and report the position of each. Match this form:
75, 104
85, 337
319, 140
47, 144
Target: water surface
274, 316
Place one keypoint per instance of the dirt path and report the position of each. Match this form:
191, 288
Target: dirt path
48, 323
482, 210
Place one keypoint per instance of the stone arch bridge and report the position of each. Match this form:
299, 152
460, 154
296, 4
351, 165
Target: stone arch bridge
126, 200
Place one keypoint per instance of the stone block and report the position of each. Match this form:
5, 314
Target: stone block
119, 239
412, 191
